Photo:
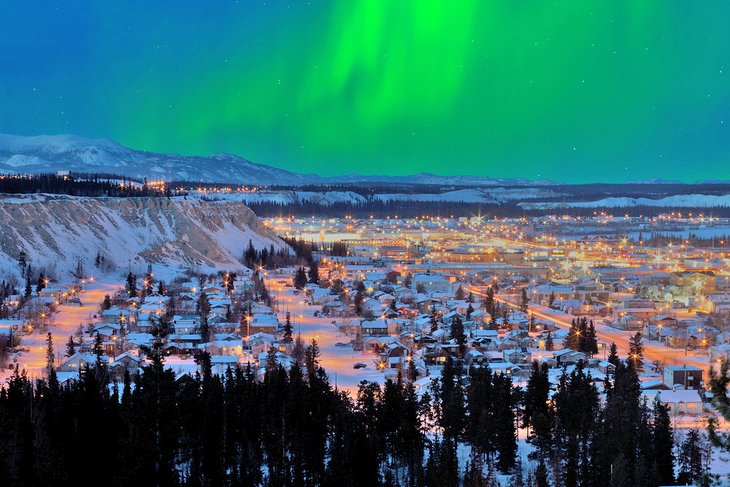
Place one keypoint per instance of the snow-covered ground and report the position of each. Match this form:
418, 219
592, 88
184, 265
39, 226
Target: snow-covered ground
676, 201
61, 325
337, 360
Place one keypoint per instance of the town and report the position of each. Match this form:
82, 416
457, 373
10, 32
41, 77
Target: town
391, 300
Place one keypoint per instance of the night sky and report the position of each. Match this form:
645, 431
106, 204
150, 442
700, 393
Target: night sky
574, 91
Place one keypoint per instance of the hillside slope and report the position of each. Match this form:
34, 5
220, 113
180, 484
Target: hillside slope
55, 231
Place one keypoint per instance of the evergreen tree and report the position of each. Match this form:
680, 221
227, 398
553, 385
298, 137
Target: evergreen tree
663, 444
460, 294
203, 307
98, 347
572, 341
613, 357
636, 352
311, 358
505, 437
537, 414
41, 285
458, 335
50, 354
314, 272
288, 328
300, 278
450, 401
358, 302
70, 346
690, 458
131, 285
549, 345
250, 256
489, 301
541, 475
524, 301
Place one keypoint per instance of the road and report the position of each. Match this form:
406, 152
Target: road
338, 361
653, 351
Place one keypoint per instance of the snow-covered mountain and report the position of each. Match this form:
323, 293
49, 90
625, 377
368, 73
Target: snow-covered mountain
55, 231
52, 153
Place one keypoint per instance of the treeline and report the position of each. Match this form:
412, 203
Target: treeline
90, 185
413, 208
664, 239
376, 208
293, 428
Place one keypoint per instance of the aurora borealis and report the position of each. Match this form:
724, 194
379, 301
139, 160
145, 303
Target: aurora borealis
575, 91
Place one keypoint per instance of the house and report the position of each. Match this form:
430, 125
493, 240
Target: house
485, 339
320, 295
377, 327
517, 356
77, 362
435, 354
430, 282
631, 322
697, 282
474, 358
184, 325
567, 356
396, 355
263, 323
678, 401
686, 376
124, 362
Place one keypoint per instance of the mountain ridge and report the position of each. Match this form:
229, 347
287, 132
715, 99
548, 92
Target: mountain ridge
69, 152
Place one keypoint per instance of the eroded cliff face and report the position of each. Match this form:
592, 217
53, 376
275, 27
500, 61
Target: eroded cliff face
55, 231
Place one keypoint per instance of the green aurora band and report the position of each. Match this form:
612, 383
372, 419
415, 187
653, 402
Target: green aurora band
574, 91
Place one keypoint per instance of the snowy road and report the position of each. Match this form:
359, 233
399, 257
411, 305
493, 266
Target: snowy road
338, 361
61, 325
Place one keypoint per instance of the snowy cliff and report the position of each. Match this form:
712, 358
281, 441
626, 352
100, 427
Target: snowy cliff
55, 231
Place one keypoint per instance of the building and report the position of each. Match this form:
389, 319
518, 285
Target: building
687, 376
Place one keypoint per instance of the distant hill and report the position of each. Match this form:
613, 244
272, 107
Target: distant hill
52, 153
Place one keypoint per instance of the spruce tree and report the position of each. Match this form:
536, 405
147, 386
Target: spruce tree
358, 302
311, 358
524, 301
690, 458
288, 329
458, 335
636, 352
313, 272
131, 285
70, 346
50, 354
460, 294
663, 444
549, 345
300, 278
613, 357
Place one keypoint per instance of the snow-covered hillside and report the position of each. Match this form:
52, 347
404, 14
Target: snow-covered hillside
458, 196
55, 231
676, 201
288, 197
326, 198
